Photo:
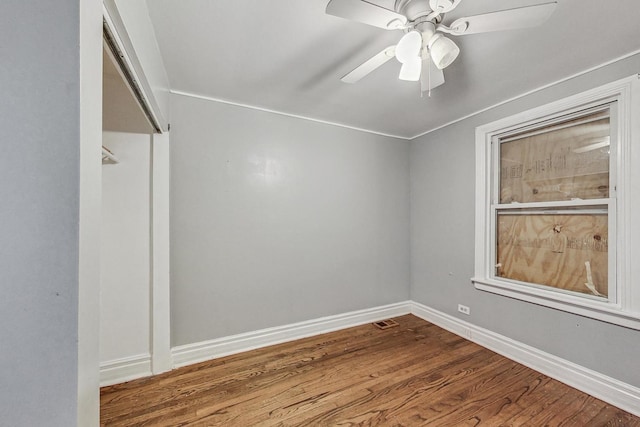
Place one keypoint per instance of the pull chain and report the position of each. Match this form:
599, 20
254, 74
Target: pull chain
429, 77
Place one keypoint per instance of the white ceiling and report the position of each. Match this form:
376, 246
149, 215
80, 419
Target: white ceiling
288, 56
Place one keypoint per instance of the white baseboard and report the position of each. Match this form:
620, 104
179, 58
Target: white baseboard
610, 390
125, 369
220, 347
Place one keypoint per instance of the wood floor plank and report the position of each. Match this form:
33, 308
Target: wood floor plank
461, 402
542, 401
402, 393
337, 383
383, 396
410, 375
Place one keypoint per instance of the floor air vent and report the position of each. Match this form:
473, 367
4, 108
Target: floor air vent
385, 324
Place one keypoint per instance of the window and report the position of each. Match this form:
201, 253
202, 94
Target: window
553, 205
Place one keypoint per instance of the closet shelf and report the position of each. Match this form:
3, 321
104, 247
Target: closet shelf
108, 158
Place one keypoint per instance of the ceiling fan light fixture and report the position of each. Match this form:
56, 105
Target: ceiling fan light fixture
409, 47
443, 51
411, 70
424, 46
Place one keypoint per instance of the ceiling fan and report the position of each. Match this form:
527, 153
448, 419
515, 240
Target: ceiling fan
424, 51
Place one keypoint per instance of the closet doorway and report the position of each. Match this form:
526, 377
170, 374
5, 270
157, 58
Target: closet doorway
126, 240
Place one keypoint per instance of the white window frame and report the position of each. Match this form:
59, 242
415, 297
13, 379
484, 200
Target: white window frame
622, 306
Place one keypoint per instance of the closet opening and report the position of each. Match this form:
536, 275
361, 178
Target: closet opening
126, 238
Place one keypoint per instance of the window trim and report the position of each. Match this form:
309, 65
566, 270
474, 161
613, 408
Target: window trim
624, 308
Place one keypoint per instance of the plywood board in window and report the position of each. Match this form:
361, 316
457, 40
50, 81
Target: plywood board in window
552, 250
561, 164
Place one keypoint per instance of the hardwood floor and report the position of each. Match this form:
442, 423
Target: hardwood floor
410, 375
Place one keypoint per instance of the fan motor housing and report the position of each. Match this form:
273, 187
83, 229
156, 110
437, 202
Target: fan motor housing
415, 9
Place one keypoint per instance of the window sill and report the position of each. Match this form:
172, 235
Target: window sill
592, 308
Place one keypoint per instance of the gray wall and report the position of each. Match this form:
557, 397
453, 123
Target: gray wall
442, 244
39, 203
276, 220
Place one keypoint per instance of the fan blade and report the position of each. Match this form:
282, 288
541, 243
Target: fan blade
522, 17
411, 70
431, 76
370, 65
367, 13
